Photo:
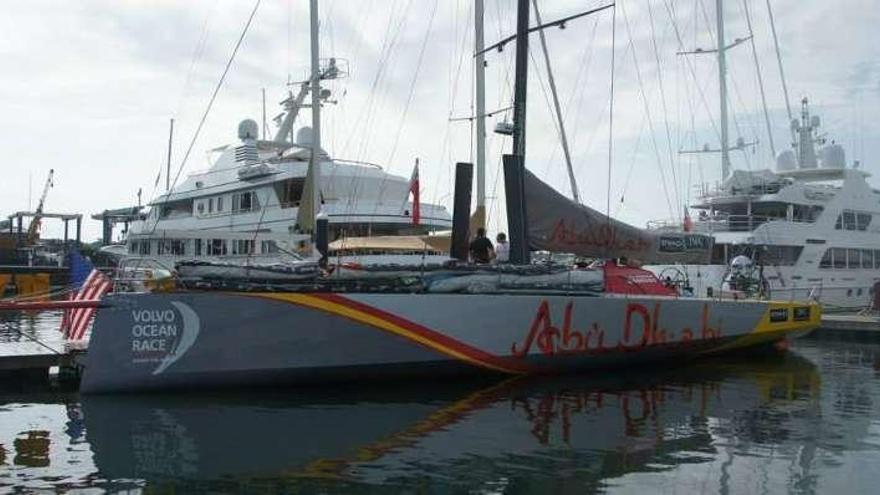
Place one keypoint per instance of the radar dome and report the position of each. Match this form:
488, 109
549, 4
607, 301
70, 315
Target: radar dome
786, 161
833, 156
304, 136
248, 129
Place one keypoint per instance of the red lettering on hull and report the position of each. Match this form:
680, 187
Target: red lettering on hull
641, 329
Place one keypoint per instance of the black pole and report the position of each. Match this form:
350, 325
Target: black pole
322, 238
517, 225
521, 78
461, 210
514, 164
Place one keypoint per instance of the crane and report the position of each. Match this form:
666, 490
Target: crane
34, 227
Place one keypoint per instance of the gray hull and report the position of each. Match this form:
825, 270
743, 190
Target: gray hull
196, 339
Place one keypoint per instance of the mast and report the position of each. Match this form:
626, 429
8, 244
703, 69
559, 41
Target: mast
168, 163
722, 87
310, 201
316, 115
514, 164
521, 78
480, 82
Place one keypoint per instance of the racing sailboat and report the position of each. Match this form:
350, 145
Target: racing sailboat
518, 319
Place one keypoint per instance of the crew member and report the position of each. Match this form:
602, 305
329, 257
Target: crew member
481, 248
502, 248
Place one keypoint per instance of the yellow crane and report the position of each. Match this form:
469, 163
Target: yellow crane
34, 228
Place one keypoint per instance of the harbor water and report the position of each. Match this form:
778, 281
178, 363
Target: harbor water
801, 421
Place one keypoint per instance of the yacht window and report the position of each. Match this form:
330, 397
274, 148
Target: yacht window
268, 247
197, 247
853, 258
289, 192
826, 259
867, 258
245, 201
849, 220
201, 207
210, 205
144, 247
876, 259
781, 255
838, 258
220, 203
862, 221
243, 246
216, 247
133, 246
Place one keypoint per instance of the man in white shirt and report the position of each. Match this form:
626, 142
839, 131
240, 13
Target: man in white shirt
502, 249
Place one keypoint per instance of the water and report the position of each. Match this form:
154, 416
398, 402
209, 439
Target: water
804, 421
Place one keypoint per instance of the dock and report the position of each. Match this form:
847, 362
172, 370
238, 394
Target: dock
34, 368
849, 326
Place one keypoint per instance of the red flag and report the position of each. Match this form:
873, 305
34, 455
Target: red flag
687, 223
414, 189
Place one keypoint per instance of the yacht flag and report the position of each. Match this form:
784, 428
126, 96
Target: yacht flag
89, 284
414, 189
687, 223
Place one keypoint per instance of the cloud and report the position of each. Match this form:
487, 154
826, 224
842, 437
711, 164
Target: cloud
96, 82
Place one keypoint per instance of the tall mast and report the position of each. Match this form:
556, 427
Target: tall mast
722, 87
521, 78
316, 114
480, 81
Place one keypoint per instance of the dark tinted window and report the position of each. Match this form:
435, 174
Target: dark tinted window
867, 258
839, 257
854, 260
863, 220
826, 259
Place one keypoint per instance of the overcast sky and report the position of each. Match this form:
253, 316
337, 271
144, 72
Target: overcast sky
88, 88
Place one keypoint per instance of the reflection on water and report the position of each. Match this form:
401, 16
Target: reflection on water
802, 421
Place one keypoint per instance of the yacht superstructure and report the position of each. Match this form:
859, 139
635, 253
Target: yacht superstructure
247, 203
808, 228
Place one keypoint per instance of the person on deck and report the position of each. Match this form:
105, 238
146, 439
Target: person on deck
481, 248
502, 249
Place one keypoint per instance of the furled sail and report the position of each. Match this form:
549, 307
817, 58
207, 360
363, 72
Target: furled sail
558, 224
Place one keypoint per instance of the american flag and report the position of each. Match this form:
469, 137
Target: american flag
88, 284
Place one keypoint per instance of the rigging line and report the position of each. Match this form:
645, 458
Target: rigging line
779, 61
379, 97
380, 68
214, 94
632, 162
672, 167
647, 106
389, 43
414, 82
409, 97
207, 111
670, 11
611, 113
578, 89
560, 121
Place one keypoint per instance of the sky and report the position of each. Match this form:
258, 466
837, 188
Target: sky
89, 88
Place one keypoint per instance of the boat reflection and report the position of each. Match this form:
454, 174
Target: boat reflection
591, 427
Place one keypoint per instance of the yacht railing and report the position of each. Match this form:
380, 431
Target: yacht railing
725, 223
